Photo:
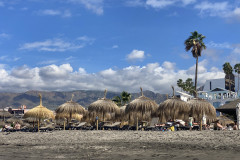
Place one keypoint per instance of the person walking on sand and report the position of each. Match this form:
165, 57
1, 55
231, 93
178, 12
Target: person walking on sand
190, 122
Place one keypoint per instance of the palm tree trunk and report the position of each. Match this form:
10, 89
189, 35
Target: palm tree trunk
238, 81
196, 72
229, 83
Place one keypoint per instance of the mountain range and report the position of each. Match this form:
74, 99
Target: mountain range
52, 99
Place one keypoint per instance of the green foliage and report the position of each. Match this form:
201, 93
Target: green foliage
227, 68
237, 68
122, 99
195, 42
187, 85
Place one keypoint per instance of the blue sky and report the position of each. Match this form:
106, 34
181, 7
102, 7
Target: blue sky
114, 44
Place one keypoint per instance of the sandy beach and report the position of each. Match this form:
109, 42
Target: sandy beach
187, 145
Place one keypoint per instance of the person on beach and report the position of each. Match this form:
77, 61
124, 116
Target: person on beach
235, 127
17, 126
204, 122
218, 126
190, 122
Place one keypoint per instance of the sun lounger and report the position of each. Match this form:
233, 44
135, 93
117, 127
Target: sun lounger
81, 125
114, 126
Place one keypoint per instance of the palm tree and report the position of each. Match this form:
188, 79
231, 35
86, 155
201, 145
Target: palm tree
180, 84
196, 44
227, 68
122, 99
126, 97
237, 70
117, 100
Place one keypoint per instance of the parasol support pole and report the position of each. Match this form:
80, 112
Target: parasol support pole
141, 91
97, 124
38, 124
137, 124
201, 121
64, 125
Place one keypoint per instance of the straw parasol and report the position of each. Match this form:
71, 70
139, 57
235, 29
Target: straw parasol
62, 116
14, 120
229, 108
142, 108
103, 107
173, 108
39, 112
69, 109
121, 116
225, 120
199, 107
5, 114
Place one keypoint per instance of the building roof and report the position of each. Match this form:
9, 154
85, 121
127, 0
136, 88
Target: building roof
229, 106
218, 89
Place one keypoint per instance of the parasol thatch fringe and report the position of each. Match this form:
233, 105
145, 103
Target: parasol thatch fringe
199, 107
142, 107
39, 112
69, 109
173, 108
62, 116
102, 108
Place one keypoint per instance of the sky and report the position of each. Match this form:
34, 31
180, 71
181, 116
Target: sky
64, 45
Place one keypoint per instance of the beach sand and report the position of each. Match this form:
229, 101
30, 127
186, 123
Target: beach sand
187, 145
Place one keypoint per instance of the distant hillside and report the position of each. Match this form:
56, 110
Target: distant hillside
53, 99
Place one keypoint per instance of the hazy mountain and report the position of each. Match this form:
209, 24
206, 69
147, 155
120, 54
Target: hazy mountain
53, 99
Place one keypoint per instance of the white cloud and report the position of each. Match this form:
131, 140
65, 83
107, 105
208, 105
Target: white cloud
115, 46
134, 3
56, 45
187, 2
222, 9
9, 59
94, 5
224, 45
51, 12
159, 3
153, 76
4, 35
136, 55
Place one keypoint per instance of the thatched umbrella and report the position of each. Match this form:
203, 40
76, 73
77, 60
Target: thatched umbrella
14, 120
142, 108
103, 107
200, 107
69, 108
225, 120
39, 112
173, 108
62, 116
121, 116
5, 114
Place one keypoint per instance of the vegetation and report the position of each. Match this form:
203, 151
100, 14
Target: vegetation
227, 68
237, 70
186, 86
196, 45
122, 99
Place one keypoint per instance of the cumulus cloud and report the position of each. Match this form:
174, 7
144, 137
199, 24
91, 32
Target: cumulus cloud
57, 45
153, 76
136, 55
94, 5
